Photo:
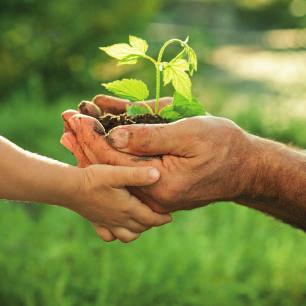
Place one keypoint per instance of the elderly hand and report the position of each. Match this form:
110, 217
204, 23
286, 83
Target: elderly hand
201, 159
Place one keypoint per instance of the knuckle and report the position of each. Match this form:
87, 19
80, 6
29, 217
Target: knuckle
126, 210
151, 221
135, 174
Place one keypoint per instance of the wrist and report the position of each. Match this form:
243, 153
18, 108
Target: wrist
58, 186
261, 168
273, 170
69, 192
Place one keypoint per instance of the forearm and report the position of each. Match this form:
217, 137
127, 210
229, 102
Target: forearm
278, 186
26, 176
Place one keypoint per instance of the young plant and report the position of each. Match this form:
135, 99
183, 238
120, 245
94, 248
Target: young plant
177, 72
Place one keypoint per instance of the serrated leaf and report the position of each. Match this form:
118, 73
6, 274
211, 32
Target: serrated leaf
134, 90
127, 54
187, 108
120, 51
182, 108
179, 78
191, 56
175, 72
169, 114
135, 110
182, 83
180, 64
192, 60
138, 43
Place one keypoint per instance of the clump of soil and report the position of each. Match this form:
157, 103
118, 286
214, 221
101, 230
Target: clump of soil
109, 121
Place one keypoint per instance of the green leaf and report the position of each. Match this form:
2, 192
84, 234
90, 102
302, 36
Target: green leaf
135, 110
169, 114
127, 54
191, 57
187, 108
182, 108
192, 60
131, 89
139, 44
129, 60
120, 51
175, 73
180, 64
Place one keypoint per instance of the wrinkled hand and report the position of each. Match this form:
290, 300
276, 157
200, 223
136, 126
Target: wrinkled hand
201, 159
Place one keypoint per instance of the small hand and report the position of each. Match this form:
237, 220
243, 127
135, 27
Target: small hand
103, 200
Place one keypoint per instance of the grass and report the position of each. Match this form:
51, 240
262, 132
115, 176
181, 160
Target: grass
207, 257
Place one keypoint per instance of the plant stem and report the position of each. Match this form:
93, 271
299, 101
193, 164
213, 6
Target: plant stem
147, 106
158, 67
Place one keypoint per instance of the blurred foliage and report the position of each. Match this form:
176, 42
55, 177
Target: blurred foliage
55, 43
220, 255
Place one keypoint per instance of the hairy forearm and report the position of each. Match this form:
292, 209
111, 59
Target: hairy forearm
278, 186
25, 176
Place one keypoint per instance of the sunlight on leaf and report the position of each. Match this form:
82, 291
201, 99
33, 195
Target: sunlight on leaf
134, 90
139, 44
120, 51
175, 73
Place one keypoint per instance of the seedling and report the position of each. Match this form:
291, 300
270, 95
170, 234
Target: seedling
177, 72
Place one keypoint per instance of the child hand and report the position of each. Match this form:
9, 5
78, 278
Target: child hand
103, 200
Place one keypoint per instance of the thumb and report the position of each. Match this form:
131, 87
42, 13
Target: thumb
119, 176
150, 139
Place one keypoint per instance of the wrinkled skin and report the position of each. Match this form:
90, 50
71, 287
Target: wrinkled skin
197, 157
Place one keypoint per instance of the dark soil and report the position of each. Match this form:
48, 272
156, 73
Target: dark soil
110, 121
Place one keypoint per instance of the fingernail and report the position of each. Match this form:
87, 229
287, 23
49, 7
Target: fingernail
98, 127
154, 174
89, 109
169, 218
119, 138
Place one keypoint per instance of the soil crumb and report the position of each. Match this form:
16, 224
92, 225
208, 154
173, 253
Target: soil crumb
110, 121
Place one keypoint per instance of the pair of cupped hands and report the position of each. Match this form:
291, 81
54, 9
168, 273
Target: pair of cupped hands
192, 162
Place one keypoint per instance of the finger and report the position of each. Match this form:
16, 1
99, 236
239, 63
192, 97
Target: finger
113, 105
104, 233
124, 235
96, 148
136, 227
152, 139
146, 216
66, 115
109, 104
89, 109
120, 176
69, 141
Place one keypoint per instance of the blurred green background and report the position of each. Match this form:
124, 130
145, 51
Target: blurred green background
252, 69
